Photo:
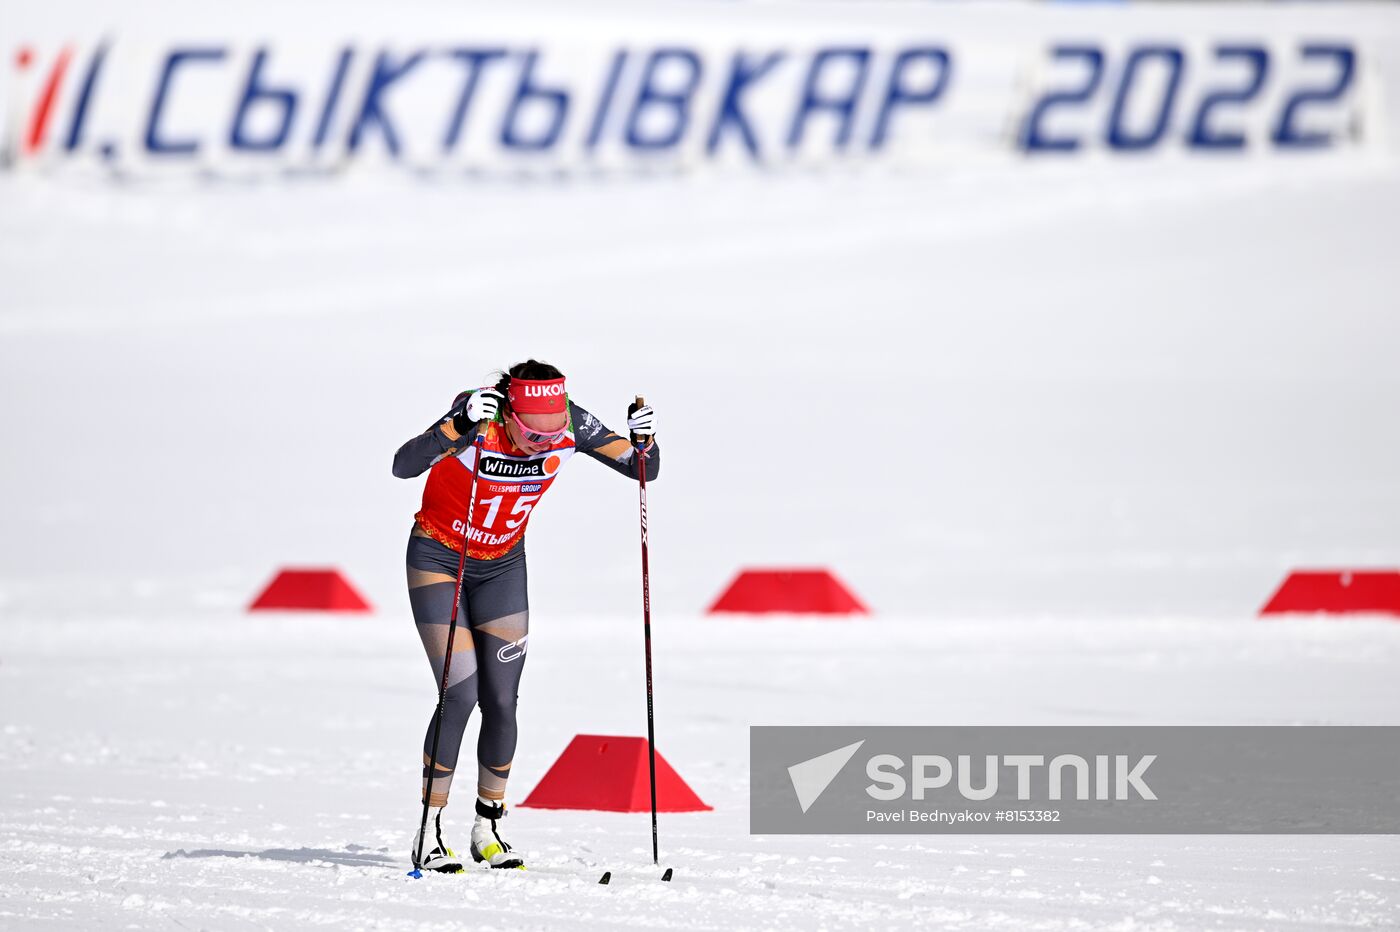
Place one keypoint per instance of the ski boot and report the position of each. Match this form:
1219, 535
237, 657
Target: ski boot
487, 844
431, 854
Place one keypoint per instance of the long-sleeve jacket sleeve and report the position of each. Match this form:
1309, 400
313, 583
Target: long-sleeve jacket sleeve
593, 437
420, 453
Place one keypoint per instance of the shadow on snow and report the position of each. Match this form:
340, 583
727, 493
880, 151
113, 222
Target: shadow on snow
351, 855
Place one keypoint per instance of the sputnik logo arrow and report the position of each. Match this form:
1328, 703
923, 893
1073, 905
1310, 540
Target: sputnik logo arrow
811, 777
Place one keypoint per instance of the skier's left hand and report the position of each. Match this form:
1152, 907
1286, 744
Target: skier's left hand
641, 422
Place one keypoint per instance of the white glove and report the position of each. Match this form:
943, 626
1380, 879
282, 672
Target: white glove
484, 405
642, 421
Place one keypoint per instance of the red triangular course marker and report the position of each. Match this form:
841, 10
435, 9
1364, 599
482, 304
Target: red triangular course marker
1337, 592
315, 590
801, 591
609, 772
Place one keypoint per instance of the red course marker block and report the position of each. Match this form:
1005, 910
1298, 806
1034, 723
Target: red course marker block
804, 591
1337, 592
309, 590
609, 772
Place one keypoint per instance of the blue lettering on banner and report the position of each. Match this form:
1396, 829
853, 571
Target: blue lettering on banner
600, 115
1286, 133
556, 100
897, 95
1257, 60
1034, 138
652, 101
1118, 136
742, 73
676, 100
475, 61
80, 109
386, 73
843, 106
323, 125
284, 101
155, 142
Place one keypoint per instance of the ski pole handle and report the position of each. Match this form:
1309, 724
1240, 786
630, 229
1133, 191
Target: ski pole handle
638, 403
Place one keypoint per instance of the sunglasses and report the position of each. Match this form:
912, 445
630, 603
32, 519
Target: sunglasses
534, 436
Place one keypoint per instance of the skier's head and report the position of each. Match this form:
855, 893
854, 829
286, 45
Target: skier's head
536, 412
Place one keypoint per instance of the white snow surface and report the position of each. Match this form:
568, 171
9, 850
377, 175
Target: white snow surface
1064, 427
215, 771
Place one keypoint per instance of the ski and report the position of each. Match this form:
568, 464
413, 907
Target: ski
607, 876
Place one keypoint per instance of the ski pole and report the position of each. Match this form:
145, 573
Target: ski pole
447, 657
646, 632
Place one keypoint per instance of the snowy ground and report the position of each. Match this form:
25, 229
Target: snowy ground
225, 773
1140, 393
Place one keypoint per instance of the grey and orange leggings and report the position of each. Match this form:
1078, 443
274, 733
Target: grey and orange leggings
488, 654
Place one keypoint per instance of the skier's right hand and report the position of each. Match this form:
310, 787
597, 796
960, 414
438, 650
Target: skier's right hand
483, 405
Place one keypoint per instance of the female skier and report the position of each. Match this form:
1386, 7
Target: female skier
528, 428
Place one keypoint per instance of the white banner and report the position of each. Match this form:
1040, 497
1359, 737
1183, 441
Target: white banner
540, 89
